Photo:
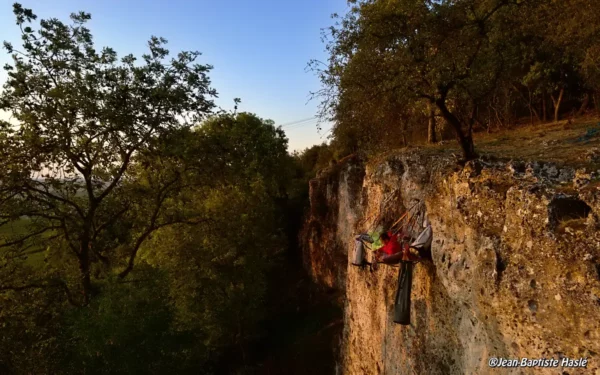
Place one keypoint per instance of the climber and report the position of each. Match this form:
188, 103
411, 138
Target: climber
394, 250
390, 246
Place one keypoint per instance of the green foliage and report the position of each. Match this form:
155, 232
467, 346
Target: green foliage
218, 272
155, 235
314, 158
127, 330
389, 56
29, 326
248, 148
217, 275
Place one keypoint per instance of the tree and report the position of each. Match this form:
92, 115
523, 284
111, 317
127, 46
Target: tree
86, 121
431, 138
567, 54
128, 329
313, 159
248, 148
441, 52
217, 273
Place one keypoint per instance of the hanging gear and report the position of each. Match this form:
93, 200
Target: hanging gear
378, 213
416, 233
358, 257
423, 242
359, 253
402, 301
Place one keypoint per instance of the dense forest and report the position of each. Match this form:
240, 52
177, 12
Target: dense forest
144, 231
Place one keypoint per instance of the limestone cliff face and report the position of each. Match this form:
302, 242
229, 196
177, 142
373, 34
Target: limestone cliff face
515, 269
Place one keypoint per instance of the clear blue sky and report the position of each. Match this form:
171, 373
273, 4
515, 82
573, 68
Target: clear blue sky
259, 48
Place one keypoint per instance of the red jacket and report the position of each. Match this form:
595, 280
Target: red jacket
392, 247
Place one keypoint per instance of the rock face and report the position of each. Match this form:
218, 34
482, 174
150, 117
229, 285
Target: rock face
515, 268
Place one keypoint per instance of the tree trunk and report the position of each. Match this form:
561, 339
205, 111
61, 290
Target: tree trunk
431, 138
472, 119
532, 110
84, 255
585, 104
556, 103
84, 268
499, 124
545, 114
465, 141
507, 108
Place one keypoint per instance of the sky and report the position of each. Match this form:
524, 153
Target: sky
259, 48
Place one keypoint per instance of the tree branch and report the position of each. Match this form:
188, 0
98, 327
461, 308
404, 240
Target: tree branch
118, 176
41, 285
56, 197
25, 238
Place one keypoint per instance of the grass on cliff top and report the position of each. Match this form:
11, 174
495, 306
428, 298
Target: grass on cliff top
564, 143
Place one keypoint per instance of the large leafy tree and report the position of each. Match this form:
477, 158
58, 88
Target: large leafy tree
82, 153
217, 272
248, 148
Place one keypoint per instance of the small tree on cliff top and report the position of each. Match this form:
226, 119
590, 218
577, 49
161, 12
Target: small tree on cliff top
83, 118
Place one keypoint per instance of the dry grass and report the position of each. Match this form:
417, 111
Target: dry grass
560, 143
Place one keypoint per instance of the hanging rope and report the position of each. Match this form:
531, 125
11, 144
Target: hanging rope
412, 219
407, 217
407, 213
399, 220
384, 336
379, 211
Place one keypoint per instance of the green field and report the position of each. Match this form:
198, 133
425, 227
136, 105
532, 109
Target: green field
9, 231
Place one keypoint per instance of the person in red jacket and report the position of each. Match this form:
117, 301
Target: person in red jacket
391, 247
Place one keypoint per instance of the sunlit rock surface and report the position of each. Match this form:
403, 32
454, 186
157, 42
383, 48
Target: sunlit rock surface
515, 269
